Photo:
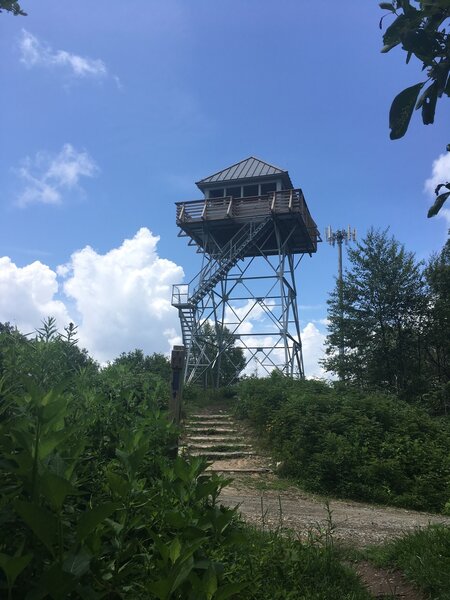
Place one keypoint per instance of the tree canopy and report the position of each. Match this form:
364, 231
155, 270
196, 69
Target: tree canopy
379, 317
12, 6
420, 27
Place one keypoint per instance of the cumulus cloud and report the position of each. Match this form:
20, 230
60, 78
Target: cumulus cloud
257, 331
27, 295
313, 341
35, 53
440, 173
123, 297
120, 300
48, 177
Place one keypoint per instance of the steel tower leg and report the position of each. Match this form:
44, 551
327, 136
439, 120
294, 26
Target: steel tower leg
249, 301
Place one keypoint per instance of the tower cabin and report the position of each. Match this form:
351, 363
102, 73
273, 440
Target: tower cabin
249, 192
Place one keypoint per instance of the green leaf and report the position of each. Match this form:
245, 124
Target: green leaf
77, 564
210, 583
438, 203
428, 103
118, 485
182, 573
41, 521
175, 519
57, 583
229, 590
55, 489
160, 588
401, 110
50, 442
386, 6
392, 35
174, 550
93, 517
13, 566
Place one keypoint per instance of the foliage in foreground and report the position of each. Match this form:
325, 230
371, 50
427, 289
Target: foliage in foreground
135, 525
423, 556
421, 28
94, 506
343, 442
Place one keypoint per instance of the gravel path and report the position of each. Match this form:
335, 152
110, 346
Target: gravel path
355, 524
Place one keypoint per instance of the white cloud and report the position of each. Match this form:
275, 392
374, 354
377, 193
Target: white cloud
48, 177
120, 301
27, 295
440, 174
35, 53
313, 342
123, 297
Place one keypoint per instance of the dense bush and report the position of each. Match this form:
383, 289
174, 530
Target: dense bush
344, 442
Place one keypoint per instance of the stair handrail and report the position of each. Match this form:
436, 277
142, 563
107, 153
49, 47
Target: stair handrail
232, 250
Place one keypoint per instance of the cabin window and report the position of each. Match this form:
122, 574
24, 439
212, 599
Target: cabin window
250, 190
268, 187
234, 192
217, 193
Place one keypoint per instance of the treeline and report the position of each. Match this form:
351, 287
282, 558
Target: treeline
53, 360
389, 323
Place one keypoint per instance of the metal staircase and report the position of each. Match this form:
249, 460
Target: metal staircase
187, 297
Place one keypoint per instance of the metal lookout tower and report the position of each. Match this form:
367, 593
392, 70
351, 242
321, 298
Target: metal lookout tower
252, 229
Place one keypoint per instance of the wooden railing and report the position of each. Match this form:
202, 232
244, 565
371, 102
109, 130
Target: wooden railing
243, 209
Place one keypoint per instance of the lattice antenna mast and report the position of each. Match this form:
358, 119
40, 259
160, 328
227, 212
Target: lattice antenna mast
339, 237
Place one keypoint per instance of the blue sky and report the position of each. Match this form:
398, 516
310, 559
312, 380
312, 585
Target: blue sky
109, 112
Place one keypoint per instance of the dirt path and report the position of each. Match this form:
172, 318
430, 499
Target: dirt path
266, 500
354, 524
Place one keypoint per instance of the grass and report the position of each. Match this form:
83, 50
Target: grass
423, 556
264, 484
280, 567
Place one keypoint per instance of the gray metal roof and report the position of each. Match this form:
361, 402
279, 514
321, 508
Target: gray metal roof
245, 169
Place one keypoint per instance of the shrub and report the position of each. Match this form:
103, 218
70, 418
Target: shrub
342, 442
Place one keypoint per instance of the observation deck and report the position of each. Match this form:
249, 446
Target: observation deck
213, 222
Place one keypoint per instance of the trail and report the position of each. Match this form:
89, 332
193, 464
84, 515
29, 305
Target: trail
267, 501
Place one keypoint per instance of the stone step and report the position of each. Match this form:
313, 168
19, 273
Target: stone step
219, 439
214, 447
210, 430
249, 470
219, 417
220, 455
208, 424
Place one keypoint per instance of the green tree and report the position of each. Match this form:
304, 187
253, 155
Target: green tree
47, 360
11, 6
437, 334
226, 361
420, 28
380, 318
134, 378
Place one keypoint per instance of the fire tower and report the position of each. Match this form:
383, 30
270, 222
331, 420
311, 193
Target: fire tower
252, 229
